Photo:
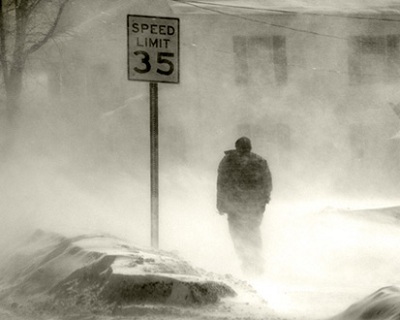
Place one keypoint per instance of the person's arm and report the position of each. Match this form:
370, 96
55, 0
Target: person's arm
221, 187
267, 182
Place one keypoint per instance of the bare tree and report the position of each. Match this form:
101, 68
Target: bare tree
25, 26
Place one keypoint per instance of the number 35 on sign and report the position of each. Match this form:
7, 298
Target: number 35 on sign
153, 49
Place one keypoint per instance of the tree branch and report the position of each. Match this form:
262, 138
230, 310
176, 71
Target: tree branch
33, 5
51, 31
21, 21
3, 47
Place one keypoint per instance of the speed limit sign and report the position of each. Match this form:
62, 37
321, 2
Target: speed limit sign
153, 49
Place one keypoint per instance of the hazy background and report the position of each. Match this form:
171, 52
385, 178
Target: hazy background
81, 161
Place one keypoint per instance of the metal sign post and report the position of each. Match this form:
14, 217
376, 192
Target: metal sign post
153, 56
154, 163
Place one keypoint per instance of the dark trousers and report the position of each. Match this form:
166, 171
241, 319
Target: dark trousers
244, 227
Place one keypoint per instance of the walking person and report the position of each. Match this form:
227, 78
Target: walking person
244, 187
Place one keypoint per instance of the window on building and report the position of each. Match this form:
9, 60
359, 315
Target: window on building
374, 59
260, 61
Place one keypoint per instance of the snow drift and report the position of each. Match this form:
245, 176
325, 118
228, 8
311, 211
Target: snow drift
333, 251
383, 304
100, 273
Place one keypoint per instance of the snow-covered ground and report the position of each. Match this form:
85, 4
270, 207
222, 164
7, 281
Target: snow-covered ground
322, 255
49, 275
321, 260
327, 273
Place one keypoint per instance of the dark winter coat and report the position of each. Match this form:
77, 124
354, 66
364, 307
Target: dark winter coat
244, 183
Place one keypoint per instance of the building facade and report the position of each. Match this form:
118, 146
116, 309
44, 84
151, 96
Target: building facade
312, 87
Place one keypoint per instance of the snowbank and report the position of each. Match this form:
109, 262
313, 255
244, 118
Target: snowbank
383, 304
101, 273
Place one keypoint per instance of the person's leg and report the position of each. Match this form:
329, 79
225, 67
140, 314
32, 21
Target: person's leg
246, 238
238, 236
251, 243
254, 249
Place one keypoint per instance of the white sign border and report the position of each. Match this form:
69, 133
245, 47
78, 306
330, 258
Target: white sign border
178, 51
